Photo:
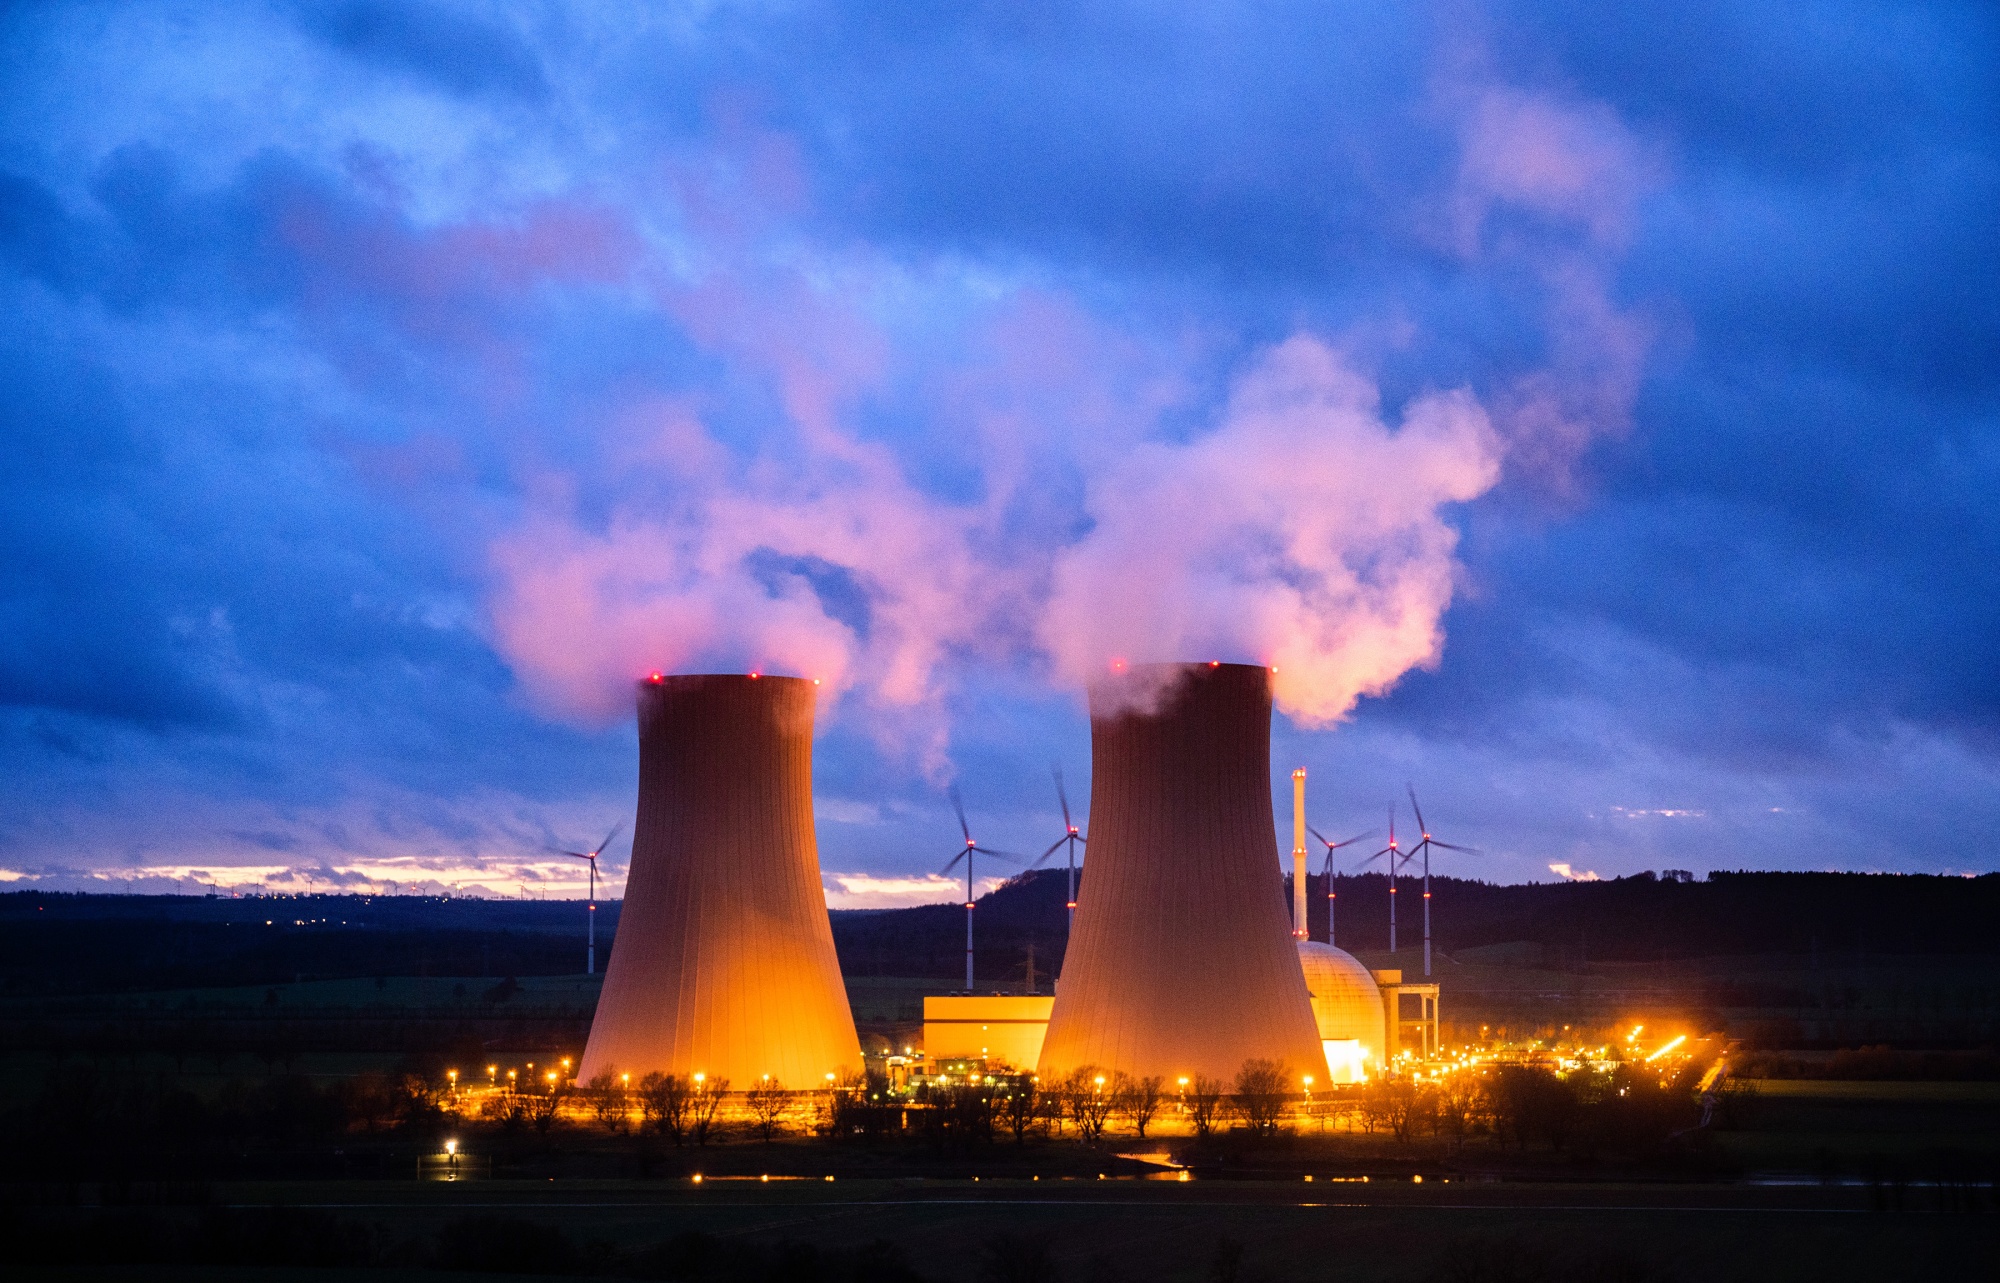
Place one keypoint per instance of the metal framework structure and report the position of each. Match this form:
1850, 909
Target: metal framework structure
724, 962
1182, 960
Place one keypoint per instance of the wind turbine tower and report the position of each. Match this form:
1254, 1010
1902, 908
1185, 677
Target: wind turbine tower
1070, 836
1299, 931
1396, 860
590, 950
1327, 872
971, 848
1424, 847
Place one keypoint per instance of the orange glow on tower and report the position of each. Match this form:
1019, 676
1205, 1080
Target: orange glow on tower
1181, 961
724, 957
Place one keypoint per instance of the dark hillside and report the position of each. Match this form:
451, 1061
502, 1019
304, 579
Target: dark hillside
53, 943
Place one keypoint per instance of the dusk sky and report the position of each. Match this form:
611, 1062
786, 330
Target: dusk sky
1592, 412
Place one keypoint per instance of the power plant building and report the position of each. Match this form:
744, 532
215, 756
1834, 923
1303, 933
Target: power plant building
1182, 960
724, 962
998, 1029
1348, 1010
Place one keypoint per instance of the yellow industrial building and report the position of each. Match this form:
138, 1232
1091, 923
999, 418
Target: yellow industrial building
998, 1030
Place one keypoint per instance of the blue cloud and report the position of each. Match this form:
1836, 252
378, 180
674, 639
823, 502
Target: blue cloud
294, 328
434, 44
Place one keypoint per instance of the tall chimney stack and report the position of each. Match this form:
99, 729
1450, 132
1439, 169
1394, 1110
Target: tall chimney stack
1299, 931
1181, 963
723, 963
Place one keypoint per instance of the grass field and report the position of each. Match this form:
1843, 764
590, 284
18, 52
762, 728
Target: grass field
1979, 1093
1213, 1232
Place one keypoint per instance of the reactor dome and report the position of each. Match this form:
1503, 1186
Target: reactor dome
1348, 1007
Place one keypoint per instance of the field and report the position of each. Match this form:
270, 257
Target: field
204, 1129
1200, 1232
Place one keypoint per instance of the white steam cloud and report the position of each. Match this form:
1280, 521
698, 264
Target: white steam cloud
1304, 533
1302, 525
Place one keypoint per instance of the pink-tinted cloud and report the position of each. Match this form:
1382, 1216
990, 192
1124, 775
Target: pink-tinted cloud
1304, 532
1573, 162
1303, 526
1549, 186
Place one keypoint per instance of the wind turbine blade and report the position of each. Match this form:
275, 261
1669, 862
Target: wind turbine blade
1421, 826
1054, 847
1062, 795
957, 804
954, 861
1469, 850
1318, 836
1005, 855
607, 838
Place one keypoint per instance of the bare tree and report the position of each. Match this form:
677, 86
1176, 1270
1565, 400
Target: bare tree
1401, 1103
1021, 1107
1203, 1101
1263, 1095
609, 1104
704, 1104
546, 1106
1052, 1104
665, 1101
768, 1102
1091, 1098
1139, 1100
1458, 1107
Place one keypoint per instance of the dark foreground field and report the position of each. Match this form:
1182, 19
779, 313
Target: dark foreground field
246, 1090
1083, 1231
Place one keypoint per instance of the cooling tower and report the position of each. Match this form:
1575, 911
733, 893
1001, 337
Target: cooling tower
1182, 960
723, 962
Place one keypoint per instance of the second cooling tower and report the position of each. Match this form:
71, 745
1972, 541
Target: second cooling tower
724, 962
1181, 961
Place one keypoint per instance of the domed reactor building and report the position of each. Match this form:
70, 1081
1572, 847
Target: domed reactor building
1347, 1007
1182, 960
723, 963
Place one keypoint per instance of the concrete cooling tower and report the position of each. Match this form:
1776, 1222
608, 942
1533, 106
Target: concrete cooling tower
724, 962
1182, 960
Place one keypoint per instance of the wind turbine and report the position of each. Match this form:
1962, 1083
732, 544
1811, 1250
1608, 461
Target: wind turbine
971, 848
1396, 858
590, 954
1327, 872
1071, 836
1424, 847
